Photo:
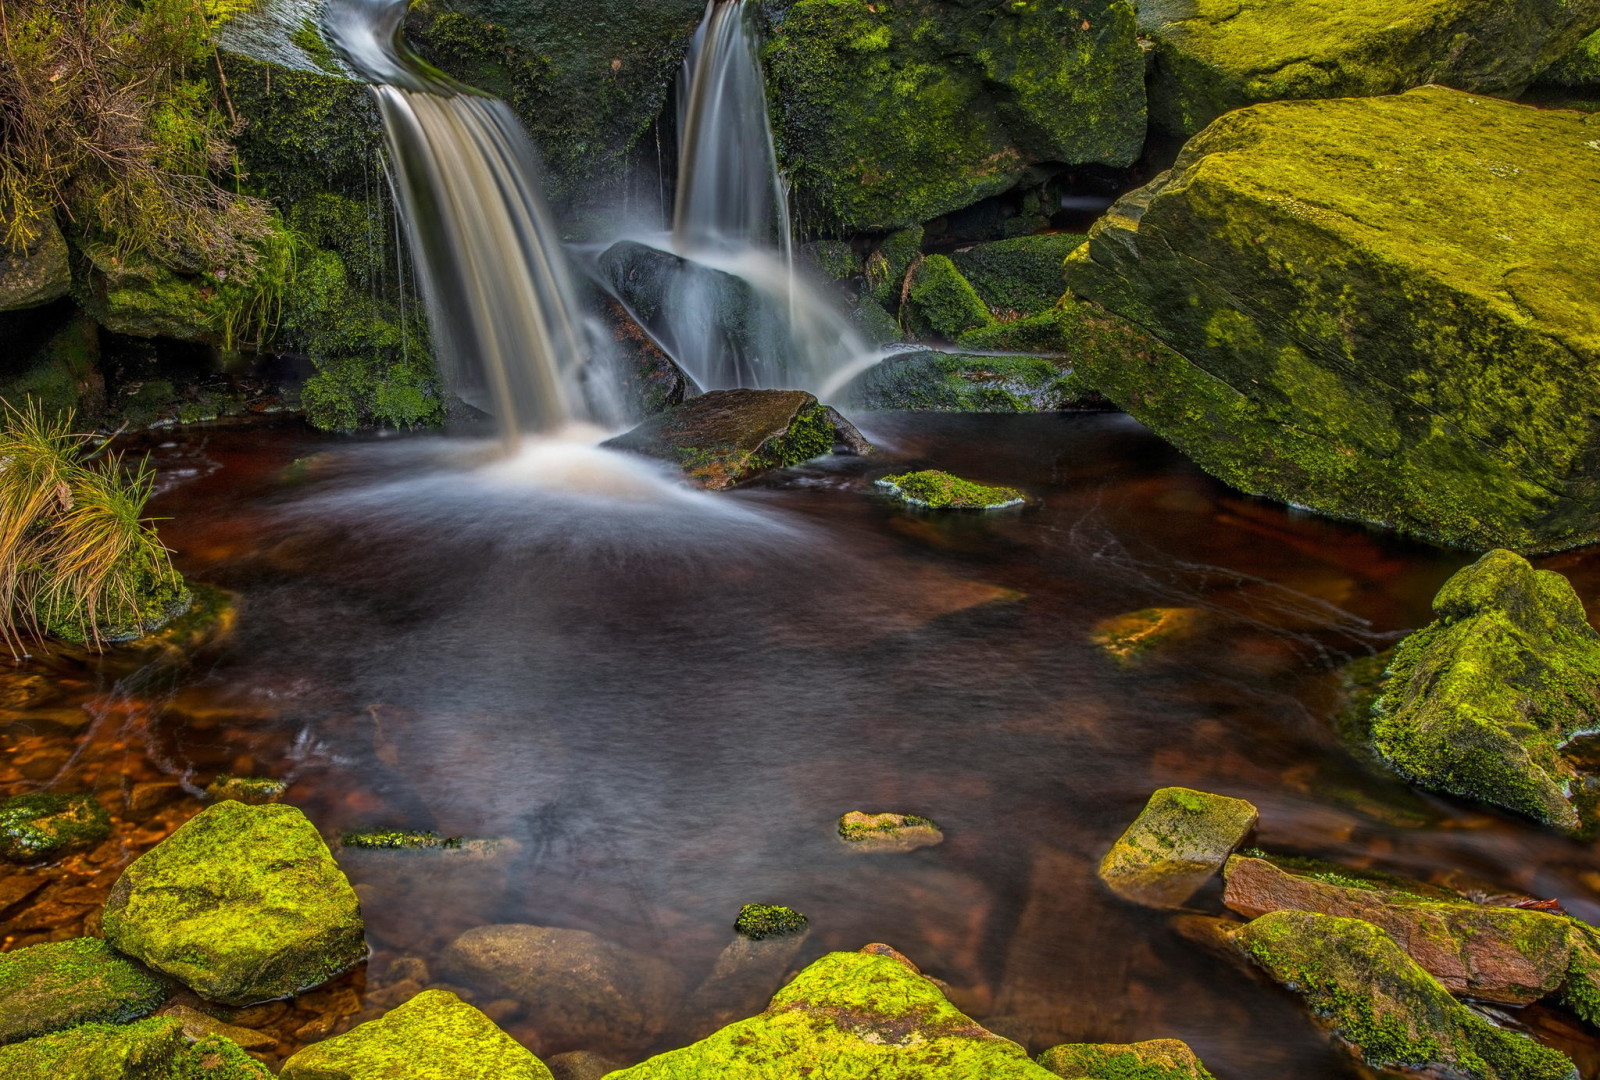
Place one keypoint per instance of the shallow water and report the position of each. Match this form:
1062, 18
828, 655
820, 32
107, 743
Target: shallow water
666, 699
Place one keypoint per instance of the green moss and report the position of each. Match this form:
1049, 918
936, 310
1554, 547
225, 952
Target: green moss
1157, 1059
398, 840
1178, 842
936, 490
886, 823
154, 1049
309, 39
959, 382
44, 826
1021, 276
255, 790
45, 988
761, 921
835, 259
157, 598
1579, 69
943, 302
886, 268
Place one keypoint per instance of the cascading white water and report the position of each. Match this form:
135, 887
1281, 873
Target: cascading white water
506, 325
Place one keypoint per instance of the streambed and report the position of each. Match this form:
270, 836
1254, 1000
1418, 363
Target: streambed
662, 701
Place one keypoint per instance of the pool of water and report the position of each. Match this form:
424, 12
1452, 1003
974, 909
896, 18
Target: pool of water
662, 701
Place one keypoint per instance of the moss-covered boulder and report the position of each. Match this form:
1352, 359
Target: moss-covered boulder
1390, 1011
154, 1049
434, 1036
241, 903
1215, 55
863, 832
37, 275
857, 1014
255, 790
1153, 1059
1018, 277
891, 113
1179, 840
1577, 70
967, 382
729, 436
941, 302
759, 922
931, 489
1480, 702
62, 984
42, 826
1377, 308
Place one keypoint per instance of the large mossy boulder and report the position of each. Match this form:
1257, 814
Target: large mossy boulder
1384, 1006
1378, 308
154, 1049
1153, 1059
850, 1014
1480, 702
241, 904
434, 1036
1212, 56
1177, 843
1018, 277
888, 114
61, 984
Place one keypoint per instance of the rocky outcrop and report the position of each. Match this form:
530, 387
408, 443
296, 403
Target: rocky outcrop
1154, 1059
890, 115
1211, 56
1376, 308
37, 275
42, 826
1175, 845
1480, 702
154, 1049
1017, 277
62, 984
434, 1036
241, 903
729, 436
1384, 1006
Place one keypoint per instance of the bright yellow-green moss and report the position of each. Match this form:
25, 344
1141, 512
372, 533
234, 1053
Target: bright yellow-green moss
935, 490
61, 984
1156, 1059
943, 302
1177, 843
761, 921
43, 825
154, 1049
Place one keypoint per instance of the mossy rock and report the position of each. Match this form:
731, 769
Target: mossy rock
153, 1049
1578, 70
885, 269
62, 984
853, 1014
758, 922
241, 904
888, 114
941, 302
254, 790
1377, 308
729, 436
1378, 1000
157, 600
434, 1036
964, 382
43, 826
55, 361
1480, 702
1176, 844
931, 489
37, 275
1212, 56
1154, 1059
398, 840
1023, 276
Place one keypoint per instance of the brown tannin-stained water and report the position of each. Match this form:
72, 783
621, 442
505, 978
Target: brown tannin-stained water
664, 700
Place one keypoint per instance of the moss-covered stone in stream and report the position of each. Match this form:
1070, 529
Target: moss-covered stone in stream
961, 382
153, 1049
241, 903
758, 922
1212, 56
886, 268
931, 489
1373, 307
891, 113
1177, 843
1021, 276
43, 826
61, 984
1154, 1059
254, 790
1390, 1011
156, 599
433, 1036
853, 1014
943, 303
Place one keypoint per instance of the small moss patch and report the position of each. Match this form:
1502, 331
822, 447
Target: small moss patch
761, 921
936, 490
399, 840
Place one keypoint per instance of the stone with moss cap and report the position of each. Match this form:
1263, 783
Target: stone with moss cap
434, 1036
941, 302
1387, 1008
1022, 276
1211, 56
761, 921
256, 790
1153, 1059
935, 490
61, 984
858, 1014
888, 832
45, 825
969, 382
1376, 308
1179, 840
1480, 702
241, 903
38, 275
153, 1049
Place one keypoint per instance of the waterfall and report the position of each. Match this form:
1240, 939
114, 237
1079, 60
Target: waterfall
507, 329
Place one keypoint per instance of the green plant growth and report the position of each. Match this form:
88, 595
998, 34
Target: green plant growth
78, 559
943, 302
761, 921
399, 840
44, 825
940, 491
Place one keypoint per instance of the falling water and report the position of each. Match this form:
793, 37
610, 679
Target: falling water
505, 320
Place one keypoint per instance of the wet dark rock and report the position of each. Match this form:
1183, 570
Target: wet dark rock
887, 832
964, 382
153, 1049
434, 1036
38, 275
1387, 1008
649, 380
45, 988
242, 903
1154, 1059
729, 436
1175, 845
746, 975
34, 827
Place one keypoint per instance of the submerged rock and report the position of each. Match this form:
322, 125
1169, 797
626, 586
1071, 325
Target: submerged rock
38, 275
61, 984
582, 1065
1215, 55
1391, 1012
1373, 307
751, 968
966, 382
1480, 702
154, 1049
1154, 1059
434, 1036
1179, 840
42, 826
197, 1025
855, 1014
1125, 638
729, 436
935, 490
242, 903
888, 832
255, 790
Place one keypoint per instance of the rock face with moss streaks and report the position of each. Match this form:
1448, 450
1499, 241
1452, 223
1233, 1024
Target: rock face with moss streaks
1378, 308
154, 1049
1154, 1059
1379, 1001
35, 276
61, 984
1180, 839
242, 903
